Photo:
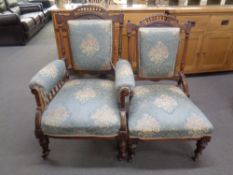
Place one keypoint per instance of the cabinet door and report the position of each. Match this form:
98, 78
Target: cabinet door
215, 50
193, 52
199, 22
230, 59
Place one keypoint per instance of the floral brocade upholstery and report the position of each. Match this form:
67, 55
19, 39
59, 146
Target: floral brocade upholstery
49, 76
157, 51
164, 111
124, 74
85, 107
91, 44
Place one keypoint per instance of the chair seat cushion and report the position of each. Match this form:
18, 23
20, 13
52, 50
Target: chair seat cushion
164, 111
83, 108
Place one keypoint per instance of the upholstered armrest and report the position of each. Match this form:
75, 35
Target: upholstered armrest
124, 80
30, 7
124, 76
9, 19
49, 76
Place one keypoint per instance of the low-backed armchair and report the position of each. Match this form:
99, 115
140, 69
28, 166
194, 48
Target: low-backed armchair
163, 111
71, 107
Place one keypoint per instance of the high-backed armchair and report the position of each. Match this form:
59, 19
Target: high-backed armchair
84, 108
163, 111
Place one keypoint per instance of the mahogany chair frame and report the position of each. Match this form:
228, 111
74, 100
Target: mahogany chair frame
42, 100
163, 20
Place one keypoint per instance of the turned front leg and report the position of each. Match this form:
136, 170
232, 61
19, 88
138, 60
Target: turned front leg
200, 146
44, 143
122, 145
132, 145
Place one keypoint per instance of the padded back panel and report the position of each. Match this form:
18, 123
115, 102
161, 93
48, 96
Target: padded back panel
2, 6
13, 5
16, 10
91, 44
157, 51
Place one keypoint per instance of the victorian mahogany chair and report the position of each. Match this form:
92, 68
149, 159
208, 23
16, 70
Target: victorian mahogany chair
84, 108
162, 111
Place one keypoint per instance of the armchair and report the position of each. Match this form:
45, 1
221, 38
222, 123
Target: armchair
161, 112
71, 107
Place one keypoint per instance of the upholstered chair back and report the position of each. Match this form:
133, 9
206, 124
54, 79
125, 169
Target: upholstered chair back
91, 44
157, 49
157, 43
91, 38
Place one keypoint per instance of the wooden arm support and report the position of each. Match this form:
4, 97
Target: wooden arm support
122, 136
43, 99
124, 93
183, 83
123, 121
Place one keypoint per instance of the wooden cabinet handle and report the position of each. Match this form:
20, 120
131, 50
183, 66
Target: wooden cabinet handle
224, 22
193, 23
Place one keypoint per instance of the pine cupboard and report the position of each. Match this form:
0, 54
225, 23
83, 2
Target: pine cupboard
210, 44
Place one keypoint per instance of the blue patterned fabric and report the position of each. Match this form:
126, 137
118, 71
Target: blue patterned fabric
164, 111
157, 51
49, 76
124, 76
91, 44
83, 107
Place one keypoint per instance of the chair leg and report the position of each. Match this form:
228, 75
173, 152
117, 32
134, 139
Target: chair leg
132, 145
122, 146
44, 143
200, 146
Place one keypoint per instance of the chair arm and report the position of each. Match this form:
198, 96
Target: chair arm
9, 19
49, 76
30, 7
124, 81
123, 120
124, 76
184, 83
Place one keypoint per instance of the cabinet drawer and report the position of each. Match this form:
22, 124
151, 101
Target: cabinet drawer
223, 22
199, 22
